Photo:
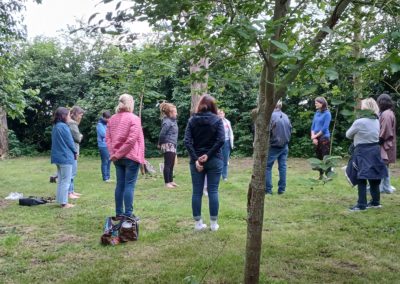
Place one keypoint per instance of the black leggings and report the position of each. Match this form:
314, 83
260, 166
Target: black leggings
169, 161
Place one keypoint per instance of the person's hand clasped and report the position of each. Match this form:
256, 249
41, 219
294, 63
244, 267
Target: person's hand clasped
315, 141
199, 166
203, 159
113, 158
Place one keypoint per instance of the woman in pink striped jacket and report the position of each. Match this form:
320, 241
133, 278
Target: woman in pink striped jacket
125, 143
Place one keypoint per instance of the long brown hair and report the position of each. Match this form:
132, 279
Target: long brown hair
207, 103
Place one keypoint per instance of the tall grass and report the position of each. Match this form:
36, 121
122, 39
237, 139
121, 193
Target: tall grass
309, 235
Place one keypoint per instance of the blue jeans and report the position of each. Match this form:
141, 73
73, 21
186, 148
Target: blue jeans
64, 173
74, 170
280, 154
385, 183
127, 172
226, 151
213, 170
105, 163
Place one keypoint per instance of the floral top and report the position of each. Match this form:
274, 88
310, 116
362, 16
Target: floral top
168, 147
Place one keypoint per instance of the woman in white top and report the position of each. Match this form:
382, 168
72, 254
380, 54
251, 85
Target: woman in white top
228, 145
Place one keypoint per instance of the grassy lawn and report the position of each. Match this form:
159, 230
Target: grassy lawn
309, 235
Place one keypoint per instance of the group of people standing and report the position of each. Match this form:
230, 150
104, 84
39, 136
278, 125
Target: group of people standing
209, 139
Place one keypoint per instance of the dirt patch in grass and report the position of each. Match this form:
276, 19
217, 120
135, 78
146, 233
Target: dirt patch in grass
4, 204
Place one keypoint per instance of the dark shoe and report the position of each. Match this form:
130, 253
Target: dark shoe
281, 192
268, 192
370, 205
357, 208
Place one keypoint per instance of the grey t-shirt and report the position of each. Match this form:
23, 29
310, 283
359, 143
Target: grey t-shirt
364, 130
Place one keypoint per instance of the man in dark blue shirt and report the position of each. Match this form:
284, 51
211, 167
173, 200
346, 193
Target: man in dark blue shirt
280, 133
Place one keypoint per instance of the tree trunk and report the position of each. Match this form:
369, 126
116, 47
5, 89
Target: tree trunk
3, 134
357, 48
269, 94
198, 87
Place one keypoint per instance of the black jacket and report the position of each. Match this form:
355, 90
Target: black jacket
204, 134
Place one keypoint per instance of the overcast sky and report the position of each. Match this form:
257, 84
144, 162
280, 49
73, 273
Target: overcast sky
54, 15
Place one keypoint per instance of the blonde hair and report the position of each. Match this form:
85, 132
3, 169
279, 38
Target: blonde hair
166, 109
126, 103
370, 104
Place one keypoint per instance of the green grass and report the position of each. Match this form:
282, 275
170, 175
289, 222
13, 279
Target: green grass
309, 235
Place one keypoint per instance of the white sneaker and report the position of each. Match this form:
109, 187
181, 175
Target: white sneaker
393, 188
205, 191
199, 226
214, 226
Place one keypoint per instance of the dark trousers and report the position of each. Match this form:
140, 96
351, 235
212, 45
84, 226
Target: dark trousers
169, 161
322, 149
374, 190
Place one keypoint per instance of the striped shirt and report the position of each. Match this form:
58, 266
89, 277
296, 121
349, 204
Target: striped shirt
124, 137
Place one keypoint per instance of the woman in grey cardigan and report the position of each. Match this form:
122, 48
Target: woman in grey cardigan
76, 117
366, 160
168, 141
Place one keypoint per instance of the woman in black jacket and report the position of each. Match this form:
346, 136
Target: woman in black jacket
204, 137
168, 141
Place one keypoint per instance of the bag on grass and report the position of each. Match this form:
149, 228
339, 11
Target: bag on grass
117, 230
31, 201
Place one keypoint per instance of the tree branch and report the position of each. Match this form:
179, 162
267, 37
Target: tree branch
315, 43
262, 50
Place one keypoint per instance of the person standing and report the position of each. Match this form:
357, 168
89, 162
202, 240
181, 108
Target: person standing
366, 162
63, 154
387, 137
320, 134
101, 128
76, 117
125, 143
204, 138
280, 133
228, 144
168, 141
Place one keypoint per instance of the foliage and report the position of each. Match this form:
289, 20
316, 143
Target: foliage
18, 149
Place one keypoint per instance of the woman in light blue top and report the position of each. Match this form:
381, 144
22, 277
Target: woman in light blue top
63, 154
101, 128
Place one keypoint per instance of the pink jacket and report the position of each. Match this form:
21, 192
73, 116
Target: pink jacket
124, 137
388, 135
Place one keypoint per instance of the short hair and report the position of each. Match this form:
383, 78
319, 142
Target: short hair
125, 103
75, 111
60, 115
385, 102
106, 114
166, 109
207, 103
322, 101
370, 104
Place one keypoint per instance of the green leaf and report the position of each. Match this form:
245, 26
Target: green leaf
327, 30
395, 67
332, 73
346, 112
280, 45
375, 40
336, 102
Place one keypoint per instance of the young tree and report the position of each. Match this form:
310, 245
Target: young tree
13, 98
288, 35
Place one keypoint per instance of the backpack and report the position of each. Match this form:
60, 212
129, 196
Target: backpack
117, 230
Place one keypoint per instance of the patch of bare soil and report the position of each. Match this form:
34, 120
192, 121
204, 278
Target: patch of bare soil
4, 203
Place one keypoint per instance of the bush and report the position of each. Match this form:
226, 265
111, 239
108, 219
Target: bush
17, 148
